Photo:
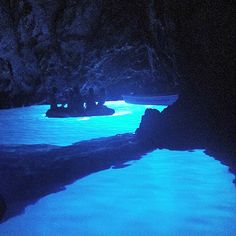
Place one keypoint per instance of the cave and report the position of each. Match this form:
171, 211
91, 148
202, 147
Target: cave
141, 48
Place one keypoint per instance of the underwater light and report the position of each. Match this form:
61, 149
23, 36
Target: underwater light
83, 118
122, 113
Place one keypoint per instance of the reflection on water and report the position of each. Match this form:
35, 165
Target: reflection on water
164, 193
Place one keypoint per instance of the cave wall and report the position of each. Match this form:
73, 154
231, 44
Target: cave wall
61, 43
199, 39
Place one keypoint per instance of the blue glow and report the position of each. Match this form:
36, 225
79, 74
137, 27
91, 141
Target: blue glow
164, 193
29, 125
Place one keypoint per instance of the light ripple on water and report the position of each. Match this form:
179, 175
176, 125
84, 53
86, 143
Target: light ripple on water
164, 193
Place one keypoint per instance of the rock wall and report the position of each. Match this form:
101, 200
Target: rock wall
101, 43
199, 37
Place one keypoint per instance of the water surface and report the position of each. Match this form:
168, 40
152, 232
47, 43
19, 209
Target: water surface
164, 193
29, 125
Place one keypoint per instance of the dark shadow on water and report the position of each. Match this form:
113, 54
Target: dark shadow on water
29, 172
225, 156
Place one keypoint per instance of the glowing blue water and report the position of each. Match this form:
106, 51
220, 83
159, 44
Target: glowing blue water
164, 193
30, 126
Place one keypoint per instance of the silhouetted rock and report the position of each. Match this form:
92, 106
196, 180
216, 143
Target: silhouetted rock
149, 126
172, 129
197, 38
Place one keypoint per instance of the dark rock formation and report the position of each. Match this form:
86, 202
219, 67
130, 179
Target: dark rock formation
62, 43
149, 128
199, 38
